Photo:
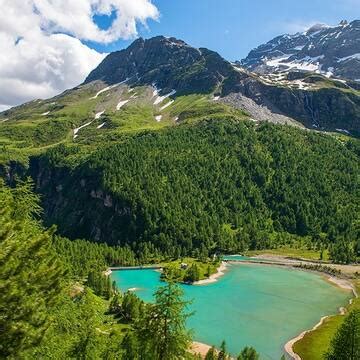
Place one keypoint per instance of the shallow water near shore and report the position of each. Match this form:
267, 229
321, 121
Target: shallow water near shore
251, 305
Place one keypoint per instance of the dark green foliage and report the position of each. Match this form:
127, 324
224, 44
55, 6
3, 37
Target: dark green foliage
346, 343
192, 274
342, 252
100, 284
211, 354
161, 332
76, 331
248, 353
214, 186
82, 257
130, 347
30, 275
132, 308
223, 354
115, 304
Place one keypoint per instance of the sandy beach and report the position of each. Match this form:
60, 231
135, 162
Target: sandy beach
289, 345
199, 348
343, 284
214, 277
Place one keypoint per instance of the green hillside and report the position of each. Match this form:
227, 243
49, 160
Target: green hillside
212, 185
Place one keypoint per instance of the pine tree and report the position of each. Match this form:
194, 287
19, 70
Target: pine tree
346, 343
223, 355
211, 354
248, 353
115, 304
130, 347
30, 275
162, 331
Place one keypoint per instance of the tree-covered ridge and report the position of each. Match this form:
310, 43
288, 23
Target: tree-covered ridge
213, 186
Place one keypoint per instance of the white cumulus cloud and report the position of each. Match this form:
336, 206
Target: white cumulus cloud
40, 49
76, 17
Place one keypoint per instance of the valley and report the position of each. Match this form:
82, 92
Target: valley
170, 156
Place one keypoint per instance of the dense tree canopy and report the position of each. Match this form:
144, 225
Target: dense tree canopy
211, 186
30, 274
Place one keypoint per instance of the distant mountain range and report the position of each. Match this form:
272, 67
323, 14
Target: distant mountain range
330, 50
308, 80
281, 95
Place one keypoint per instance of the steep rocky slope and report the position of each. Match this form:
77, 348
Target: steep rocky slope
329, 50
167, 63
163, 81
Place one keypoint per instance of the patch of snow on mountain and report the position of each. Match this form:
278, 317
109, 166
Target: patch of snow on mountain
45, 113
100, 92
76, 130
216, 98
330, 72
306, 64
158, 118
343, 131
160, 99
121, 104
277, 61
101, 125
109, 88
98, 115
301, 85
166, 105
354, 56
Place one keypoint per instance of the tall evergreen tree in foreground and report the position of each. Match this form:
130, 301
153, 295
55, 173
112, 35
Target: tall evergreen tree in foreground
29, 272
346, 343
248, 353
162, 333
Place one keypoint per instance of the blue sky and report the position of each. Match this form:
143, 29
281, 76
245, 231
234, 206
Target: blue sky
65, 40
234, 27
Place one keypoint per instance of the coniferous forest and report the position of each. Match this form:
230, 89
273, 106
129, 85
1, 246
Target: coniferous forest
192, 190
213, 187
168, 158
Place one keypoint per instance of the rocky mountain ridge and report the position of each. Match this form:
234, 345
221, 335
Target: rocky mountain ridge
166, 63
330, 50
149, 79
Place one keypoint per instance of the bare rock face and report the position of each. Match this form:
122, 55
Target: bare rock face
330, 50
168, 63
177, 68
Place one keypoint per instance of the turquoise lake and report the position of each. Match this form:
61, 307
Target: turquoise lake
255, 305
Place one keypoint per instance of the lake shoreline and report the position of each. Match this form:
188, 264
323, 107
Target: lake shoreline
342, 283
293, 264
213, 277
198, 348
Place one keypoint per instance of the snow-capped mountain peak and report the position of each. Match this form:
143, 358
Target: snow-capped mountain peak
329, 50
